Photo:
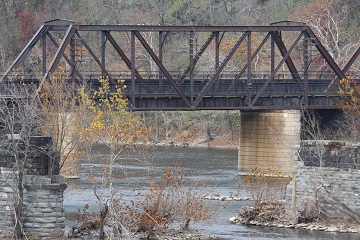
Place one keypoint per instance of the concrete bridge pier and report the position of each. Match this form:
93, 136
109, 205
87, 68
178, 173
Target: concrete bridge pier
268, 139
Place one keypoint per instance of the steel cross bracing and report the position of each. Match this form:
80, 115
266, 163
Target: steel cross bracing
282, 66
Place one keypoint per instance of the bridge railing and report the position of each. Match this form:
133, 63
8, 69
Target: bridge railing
229, 84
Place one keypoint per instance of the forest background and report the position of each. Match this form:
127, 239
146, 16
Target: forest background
335, 22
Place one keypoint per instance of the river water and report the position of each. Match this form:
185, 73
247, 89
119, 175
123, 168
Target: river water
216, 167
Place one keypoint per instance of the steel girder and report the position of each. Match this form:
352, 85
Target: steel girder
186, 90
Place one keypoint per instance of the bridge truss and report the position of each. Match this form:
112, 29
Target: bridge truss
280, 66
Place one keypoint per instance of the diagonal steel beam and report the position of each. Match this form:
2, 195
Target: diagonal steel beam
38, 35
124, 57
346, 66
238, 76
287, 54
216, 75
326, 55
95, 58
161, 66
59, 53
196, 58
289, 62
70, 62
352, 59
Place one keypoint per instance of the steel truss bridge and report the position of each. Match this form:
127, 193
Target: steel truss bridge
280, 66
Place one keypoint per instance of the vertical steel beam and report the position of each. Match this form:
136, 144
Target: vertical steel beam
72, 57
161, 43
95, 58
72, 64
59, 54
249, 81
103, 51
191, 65
161, 66
306, 68
287, 54
133, 66
196, 58
124, 57
216, 75
272, 64
238, 76
217, 50
43, 41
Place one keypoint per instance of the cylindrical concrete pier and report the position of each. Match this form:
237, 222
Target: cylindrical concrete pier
268, 140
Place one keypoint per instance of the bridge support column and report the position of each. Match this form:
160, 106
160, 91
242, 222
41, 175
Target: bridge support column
268, 139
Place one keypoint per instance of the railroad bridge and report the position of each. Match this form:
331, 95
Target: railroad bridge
269, 73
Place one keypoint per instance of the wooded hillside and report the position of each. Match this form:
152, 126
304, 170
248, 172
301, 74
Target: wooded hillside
335, 22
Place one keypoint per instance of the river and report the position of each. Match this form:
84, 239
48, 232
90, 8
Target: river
216, 167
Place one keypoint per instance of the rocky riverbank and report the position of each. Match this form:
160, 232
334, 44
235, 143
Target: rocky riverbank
216, 142
169, 235
280, 220
342, 227
273, 217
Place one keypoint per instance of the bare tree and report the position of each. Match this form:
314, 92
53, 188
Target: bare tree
19, 119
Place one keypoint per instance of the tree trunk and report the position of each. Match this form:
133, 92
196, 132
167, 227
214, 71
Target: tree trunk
103, 213
146, 127
157, 127
186, 225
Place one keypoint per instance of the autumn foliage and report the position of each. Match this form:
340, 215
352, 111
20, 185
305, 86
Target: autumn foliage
264, 185
350, 104
170, 200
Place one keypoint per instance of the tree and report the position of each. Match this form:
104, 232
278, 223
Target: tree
110, 123
61, 119
328, 19
19, 119
171, 199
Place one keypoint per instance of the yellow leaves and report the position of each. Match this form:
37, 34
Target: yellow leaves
97, 125
111, 120
350, 91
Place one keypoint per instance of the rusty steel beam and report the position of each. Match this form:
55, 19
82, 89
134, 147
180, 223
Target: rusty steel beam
196, 58
287, 54
161, 66
70, 62
124, 57
59, 53
249, 70
157, 28
95, 58
326, 55
219, 70
238, 76
352, 59
347, 65
38, 35
289, 62
193, 93
133, 70
43, 41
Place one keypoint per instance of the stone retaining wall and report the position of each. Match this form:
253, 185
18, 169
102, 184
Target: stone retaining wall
6, 200
43, 213
334, 190
43, 207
